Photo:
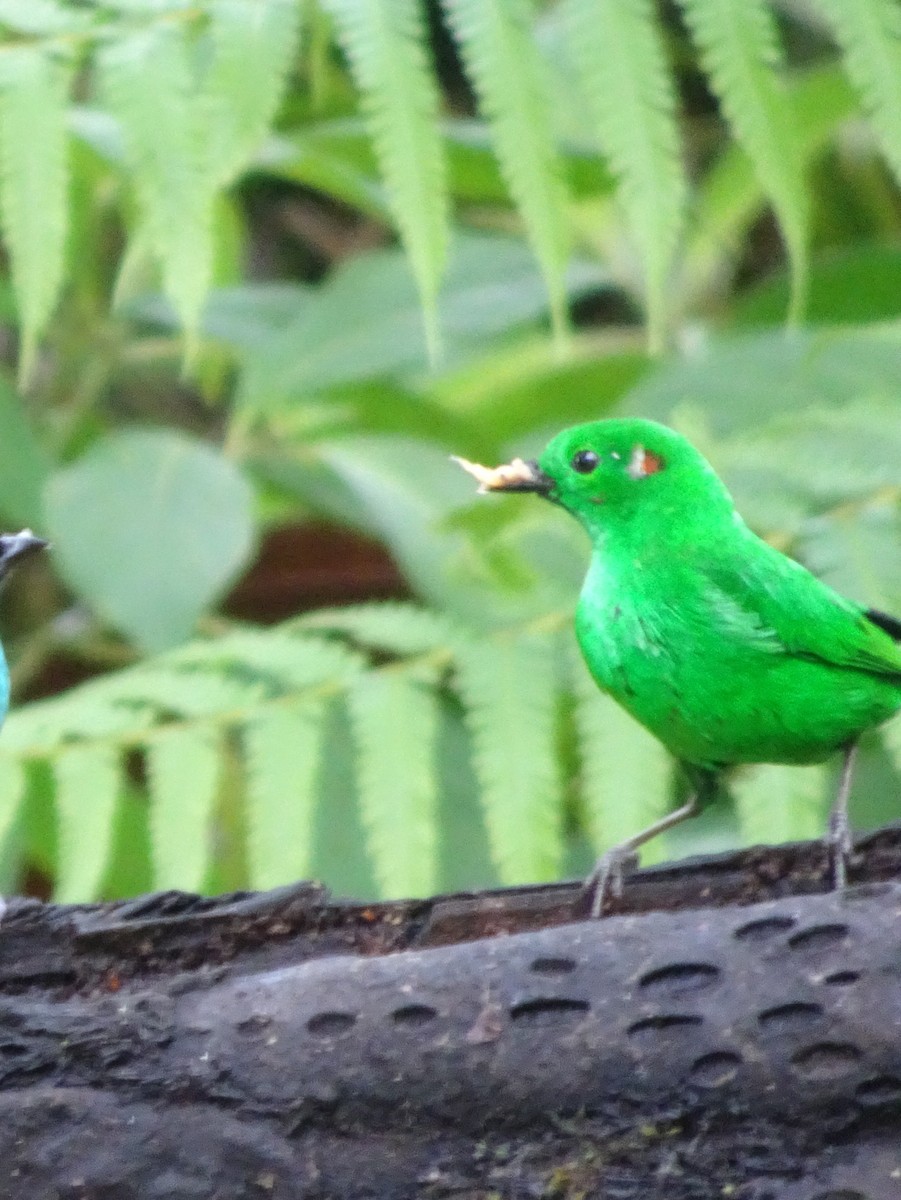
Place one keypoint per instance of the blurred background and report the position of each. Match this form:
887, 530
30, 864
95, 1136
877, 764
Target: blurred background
266, 265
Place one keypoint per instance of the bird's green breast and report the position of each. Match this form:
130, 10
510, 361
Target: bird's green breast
713, 684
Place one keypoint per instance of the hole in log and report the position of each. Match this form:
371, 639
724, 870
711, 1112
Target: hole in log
553, 966
827, 1060
662, 1024
330, 1024
819, 937
785, 1017
414, 1014
881, 1089
842, 978
680, 978
549, 1010
713, 1070
768, 927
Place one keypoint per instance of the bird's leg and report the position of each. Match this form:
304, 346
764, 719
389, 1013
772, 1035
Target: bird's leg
839, 841
608, 870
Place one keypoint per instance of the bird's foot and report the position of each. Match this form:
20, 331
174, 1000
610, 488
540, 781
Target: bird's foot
839, 846
607, 877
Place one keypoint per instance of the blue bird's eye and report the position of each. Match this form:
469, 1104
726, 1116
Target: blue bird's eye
585, 462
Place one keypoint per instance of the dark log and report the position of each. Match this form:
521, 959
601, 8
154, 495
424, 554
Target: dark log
733, 1030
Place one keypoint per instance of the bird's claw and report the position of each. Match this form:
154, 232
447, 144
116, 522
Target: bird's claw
607, 877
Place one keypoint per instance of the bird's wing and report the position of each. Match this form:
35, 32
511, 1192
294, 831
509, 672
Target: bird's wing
800, 614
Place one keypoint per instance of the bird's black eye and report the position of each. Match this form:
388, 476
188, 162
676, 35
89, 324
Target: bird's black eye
585, 462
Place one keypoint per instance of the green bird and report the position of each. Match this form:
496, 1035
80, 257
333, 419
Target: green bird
725, 649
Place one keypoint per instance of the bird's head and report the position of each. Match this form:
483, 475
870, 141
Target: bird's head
606, 470
16, 546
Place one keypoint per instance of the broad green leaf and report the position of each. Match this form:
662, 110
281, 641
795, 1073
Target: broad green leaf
851, 286
283, 747
625, 772
13, 784
254, 43
34, 176
365, 322
509, 689
149, 85
42, 17
857, 553
617, 49
88, 783
150, 526
869, 33
777, 803
385, 41
499, 51
183, 766
394, 720
739, 47
24, 463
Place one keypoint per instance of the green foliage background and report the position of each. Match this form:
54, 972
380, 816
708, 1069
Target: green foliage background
551, 212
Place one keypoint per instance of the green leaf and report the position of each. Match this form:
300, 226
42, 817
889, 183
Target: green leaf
364, 322
394, 721
254, 44
42, 17
777, 803
502, 60
13, 783
282, 748
88, 783
624, 770
618, 52
869, 33
183, 765
34, 178
24, 463
149, 85
150, 526
385, 41
739, 47
509, 689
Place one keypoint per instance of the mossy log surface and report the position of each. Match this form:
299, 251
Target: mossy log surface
732, 1030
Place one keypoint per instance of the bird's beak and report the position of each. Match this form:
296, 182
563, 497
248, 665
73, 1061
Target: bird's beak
14, 546
515, 476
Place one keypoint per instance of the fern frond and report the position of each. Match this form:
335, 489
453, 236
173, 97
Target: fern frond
385, 43
183, 768
739, 47
34, 179
509, 690
254, 44
624, 770
395, 722
501, 57
869, 33
88, 784
776, 803
617, 50
396, 628
149, 85
282, 748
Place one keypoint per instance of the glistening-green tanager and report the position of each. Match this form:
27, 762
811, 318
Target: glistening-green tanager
725, 649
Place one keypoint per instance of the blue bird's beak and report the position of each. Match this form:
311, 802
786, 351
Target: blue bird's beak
14, 546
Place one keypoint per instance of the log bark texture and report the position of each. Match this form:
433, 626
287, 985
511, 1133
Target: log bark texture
733, 1030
